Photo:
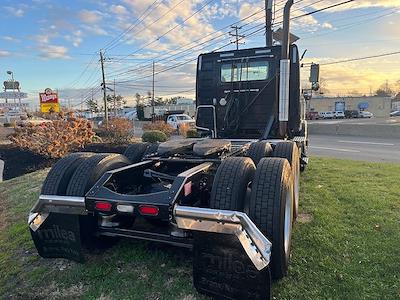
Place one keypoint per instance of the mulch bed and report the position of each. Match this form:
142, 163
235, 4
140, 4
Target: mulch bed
18, 162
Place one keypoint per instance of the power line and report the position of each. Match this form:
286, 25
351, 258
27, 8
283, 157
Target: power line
172, 29
220, 35
322, 9
357, 59
113, 43
196, 43
350, 25
258, 30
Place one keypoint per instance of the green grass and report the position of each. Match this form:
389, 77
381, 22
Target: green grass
346, 247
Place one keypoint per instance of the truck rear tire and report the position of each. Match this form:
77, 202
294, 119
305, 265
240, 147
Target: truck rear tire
221, 268
290, 151
57, 179
87, 173
231, 182
84, 177
259, 150
135, 152
271, 209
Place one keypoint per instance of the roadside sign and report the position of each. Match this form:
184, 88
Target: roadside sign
49, 107
49, 101
13, 95
13, 105
11, 85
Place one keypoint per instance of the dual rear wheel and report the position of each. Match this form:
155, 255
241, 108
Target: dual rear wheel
265, 193
269, 202
74, 175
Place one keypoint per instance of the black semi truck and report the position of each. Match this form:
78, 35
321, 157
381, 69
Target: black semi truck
232, 196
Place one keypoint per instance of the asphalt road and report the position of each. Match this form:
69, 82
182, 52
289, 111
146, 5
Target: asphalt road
372, 121
357, 148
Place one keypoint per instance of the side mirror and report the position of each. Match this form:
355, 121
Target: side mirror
314, 77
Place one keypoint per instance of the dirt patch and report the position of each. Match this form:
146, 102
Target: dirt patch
18, 162
304, 218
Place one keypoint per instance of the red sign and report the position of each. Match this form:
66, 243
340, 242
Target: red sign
48, 97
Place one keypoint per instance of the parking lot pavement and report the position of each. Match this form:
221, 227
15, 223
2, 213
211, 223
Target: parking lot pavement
357, 148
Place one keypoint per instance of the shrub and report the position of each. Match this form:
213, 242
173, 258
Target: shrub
7, 125
183, 129
192, 133
154, 136
159, 126
54, 139
119, 131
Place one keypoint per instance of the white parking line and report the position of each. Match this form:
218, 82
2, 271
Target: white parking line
367, 143
335, 149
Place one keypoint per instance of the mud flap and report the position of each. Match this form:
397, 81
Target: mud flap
222, 269
59, 237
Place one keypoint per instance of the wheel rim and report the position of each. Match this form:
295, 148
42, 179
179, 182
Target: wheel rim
288, 219
296, 185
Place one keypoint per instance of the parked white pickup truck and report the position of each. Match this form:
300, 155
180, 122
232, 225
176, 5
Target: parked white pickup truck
179, 119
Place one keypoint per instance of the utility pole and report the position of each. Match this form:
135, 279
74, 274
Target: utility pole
115, 102
268, 22
152, 96
104, 88
236, 35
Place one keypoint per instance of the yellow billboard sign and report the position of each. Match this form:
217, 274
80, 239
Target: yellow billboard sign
49, 107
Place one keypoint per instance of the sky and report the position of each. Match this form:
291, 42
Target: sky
56, 44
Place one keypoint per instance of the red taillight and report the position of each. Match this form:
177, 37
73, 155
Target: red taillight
148, 210
103, 206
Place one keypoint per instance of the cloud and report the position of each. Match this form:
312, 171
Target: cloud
90, 16
54, 51
118, 9
327, 25
4, 53
95, 29
10, 39
75, 38
16, 12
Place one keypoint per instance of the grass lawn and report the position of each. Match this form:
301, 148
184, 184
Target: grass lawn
346, 245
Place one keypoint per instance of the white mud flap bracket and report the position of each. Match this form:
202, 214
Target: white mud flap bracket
256, 245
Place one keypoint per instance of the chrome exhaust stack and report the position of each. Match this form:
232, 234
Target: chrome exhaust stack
284, 73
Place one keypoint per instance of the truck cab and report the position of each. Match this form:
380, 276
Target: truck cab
237, 93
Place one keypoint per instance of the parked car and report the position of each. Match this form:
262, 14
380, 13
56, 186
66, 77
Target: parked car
177, 120
339, 115
312, 115
351, 114
366, 114
395, 113
327, 115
